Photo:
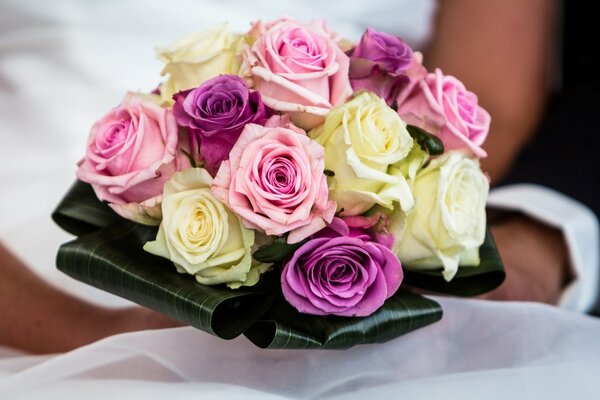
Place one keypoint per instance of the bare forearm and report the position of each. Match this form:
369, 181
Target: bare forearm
39, 318
35, 316
535, 258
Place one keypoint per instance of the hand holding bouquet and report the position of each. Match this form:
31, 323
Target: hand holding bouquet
303, 182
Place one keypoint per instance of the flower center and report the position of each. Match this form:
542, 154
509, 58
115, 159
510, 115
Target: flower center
218, 104
198, 222
300, 49
279, 176
113, 137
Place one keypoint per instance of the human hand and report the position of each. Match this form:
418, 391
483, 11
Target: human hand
534, 257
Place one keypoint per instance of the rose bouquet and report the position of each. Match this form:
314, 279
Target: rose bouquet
286, 184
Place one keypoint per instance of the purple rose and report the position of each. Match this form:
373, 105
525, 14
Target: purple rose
389, 53
343, 270
216, 112
379, 63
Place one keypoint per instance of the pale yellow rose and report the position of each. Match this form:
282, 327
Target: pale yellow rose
447, 224
196, 58
365, 144
203, 237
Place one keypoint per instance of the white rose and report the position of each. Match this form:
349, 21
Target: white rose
196, 58
365, 142
203, 237
447, 224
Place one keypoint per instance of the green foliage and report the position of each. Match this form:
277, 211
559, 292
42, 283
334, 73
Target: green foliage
108, 254
428, 142
278, 251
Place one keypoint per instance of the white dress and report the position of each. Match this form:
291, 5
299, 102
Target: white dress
62, 65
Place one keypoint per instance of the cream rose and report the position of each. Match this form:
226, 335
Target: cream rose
365, 143
203, 237
447, 225
196, 58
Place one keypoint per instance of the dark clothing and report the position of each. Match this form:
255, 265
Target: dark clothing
565, 153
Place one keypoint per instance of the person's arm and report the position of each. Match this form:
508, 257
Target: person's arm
38, 318
550, 246
500, 49
535, 258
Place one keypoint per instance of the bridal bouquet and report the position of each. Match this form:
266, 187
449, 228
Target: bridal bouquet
289, 185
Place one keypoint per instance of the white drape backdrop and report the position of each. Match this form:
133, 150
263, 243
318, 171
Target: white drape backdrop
65, 63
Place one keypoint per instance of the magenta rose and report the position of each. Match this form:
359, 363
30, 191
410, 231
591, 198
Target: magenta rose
274, 181
131, 152
298, 69
442, 105
380, 64
342, 270
216, 112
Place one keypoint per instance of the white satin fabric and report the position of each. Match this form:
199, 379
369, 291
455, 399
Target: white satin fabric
65, 63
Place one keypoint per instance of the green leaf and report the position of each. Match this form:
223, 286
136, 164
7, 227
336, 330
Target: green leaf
277, 251
468, 281
112, 259
428, 142
109, 255
283, 327
190, 158
81, 212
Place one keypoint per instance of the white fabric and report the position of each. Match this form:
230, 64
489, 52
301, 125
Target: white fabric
480, 350
65, 63
579, 226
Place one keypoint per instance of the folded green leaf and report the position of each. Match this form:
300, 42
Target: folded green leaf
285, 328
81, 212
109, 255
112, 259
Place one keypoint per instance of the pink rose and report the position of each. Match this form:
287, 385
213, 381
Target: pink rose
298, 69
442, 105
274, 181
131, 152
